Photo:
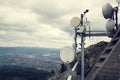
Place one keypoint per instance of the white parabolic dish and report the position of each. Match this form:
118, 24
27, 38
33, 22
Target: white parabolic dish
67, 54
107, 11
110, 25
75, 21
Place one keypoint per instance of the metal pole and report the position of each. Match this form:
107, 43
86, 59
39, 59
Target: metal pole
75, 39
73, 69
116, 14
81, 22
82, 51
82, 57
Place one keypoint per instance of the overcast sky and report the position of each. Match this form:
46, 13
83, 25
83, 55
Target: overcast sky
46, 23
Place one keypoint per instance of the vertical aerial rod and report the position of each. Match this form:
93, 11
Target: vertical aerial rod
75, 39
116, 14
82, 57
82, 50
76, 22
81, 22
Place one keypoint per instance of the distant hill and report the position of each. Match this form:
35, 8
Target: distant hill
28, 50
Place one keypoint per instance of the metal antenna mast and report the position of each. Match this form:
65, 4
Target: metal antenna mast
109, 13
77, 22
82, 31
80, 25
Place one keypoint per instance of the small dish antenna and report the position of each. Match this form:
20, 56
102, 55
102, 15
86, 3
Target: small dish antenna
107, 11
67, 54
110, 25
75, 21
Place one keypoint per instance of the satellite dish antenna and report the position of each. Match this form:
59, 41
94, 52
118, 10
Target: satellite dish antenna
67, 54
107, 11
110, 25
75, 21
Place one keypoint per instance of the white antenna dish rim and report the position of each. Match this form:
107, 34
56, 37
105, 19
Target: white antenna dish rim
75, 22
67, 54
107, 11
110, 25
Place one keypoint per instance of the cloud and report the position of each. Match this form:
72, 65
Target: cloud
45, 23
